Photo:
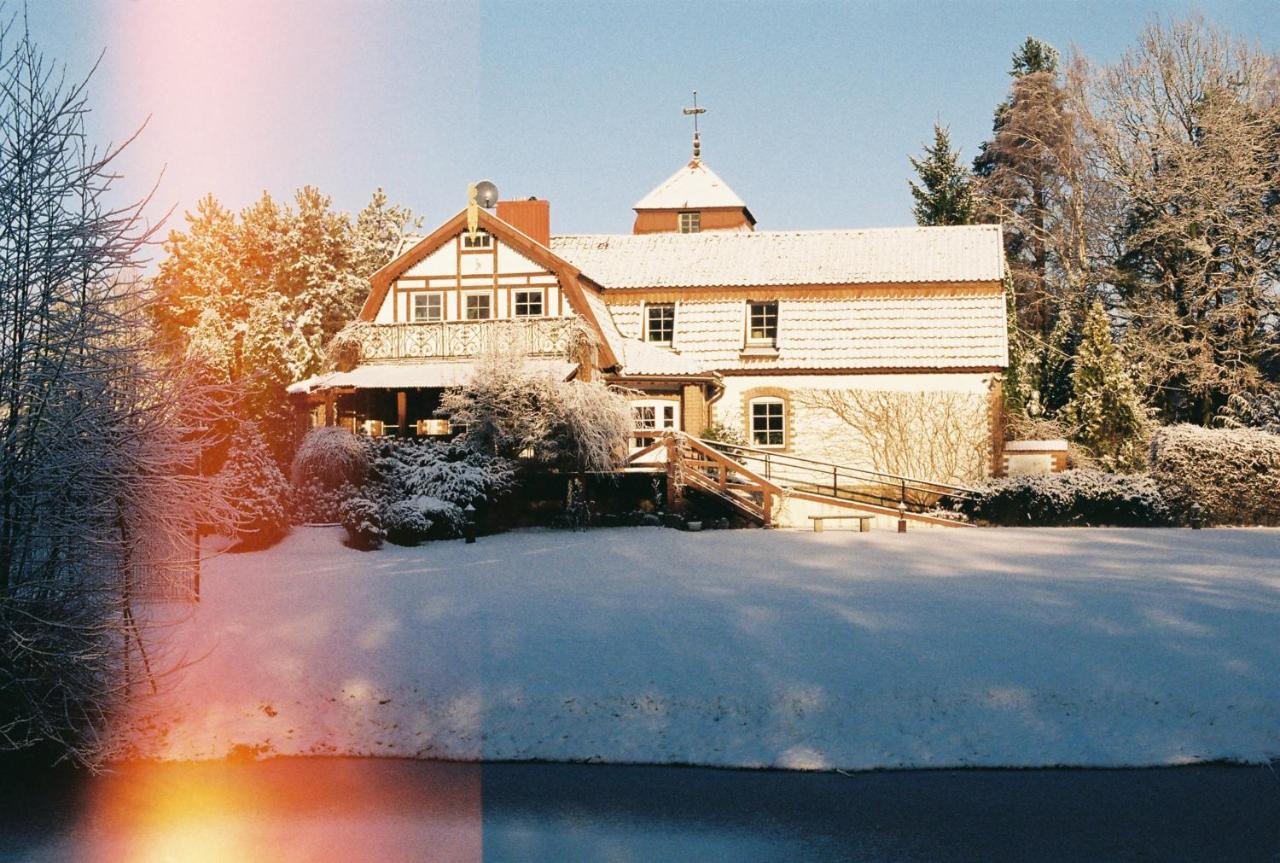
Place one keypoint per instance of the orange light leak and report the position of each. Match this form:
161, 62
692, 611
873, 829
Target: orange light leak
283, 810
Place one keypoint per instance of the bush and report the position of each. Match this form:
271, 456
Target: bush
512, 410
257, 488
328, 460
419, 490
1234, 474
1075, 497
362, 521
722, 433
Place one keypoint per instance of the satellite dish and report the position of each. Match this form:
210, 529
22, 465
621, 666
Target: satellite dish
486, 194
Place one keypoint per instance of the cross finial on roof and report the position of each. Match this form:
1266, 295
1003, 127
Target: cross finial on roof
695, 111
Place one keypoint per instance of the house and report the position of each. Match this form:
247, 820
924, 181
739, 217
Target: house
882, 348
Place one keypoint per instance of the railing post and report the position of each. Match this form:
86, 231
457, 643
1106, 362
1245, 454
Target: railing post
835, 483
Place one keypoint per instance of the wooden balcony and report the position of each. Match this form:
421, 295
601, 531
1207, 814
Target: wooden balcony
530, 337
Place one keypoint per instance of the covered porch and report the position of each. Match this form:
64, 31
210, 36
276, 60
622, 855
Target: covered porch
398, 399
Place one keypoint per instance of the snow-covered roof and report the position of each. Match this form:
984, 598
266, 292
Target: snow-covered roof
693, 186
427, 373
968, 253
642, 358
1056, 445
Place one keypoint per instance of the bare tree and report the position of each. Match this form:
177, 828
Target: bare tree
1186, 128
98, 440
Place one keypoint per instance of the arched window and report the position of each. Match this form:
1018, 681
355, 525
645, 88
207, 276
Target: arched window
767, 421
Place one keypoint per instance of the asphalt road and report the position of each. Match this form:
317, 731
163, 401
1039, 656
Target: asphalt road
384, 809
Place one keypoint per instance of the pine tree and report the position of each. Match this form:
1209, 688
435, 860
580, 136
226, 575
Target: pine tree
1106, 413
944, 195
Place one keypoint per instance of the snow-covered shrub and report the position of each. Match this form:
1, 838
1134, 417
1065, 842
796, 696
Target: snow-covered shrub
723, 433
328, 460
1075, 497
418, 490
511, 410
258, 489
345, 349
1234, 474
362, 520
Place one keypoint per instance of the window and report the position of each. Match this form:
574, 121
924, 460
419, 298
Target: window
650, 419
768, 422
528, 304
762, 323
477, 307
660, 323
480, 240
428, 307
690, 222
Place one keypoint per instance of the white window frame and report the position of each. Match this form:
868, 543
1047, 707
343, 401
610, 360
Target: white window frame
648, 333
752, 339
762, 401
466, 309
644, 434
540, 293
689, 221
426, 295
481, 240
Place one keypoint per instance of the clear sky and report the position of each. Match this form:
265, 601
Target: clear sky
814, 107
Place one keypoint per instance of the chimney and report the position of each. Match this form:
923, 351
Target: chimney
531, 217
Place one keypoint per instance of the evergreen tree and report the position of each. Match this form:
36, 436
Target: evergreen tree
1106, 413
258, 487
1034, 56
944, 195
1057, 363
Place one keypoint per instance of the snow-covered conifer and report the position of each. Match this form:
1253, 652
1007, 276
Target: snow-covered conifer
1106, 413
257, 487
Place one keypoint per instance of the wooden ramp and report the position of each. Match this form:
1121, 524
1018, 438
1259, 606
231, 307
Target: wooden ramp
754, 482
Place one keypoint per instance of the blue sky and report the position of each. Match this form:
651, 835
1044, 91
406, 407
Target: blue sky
814, 107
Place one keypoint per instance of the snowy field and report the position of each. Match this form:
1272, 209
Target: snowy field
747, 648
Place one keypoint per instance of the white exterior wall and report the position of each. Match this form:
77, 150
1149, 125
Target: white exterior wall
819, 434
942, 328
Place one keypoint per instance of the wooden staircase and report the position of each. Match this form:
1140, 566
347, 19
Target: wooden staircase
692, 463
754, 481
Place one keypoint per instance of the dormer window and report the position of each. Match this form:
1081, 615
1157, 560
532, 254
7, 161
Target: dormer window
762, 324
690, 222
478, 240
660, 323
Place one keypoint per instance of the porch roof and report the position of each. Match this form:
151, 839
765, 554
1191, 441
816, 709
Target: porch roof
433, 374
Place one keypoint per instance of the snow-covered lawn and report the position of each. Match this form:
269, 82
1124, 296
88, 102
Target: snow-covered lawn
933, 648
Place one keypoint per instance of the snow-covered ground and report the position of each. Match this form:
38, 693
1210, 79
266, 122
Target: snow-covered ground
748, 648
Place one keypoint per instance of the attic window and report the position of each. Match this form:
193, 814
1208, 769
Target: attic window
690, 222
479, 240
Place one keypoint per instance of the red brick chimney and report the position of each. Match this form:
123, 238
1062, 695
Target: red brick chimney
531, 217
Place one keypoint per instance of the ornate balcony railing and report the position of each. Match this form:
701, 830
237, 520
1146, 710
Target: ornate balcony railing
534, 337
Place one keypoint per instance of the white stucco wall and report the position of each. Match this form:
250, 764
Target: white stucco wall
818, 433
